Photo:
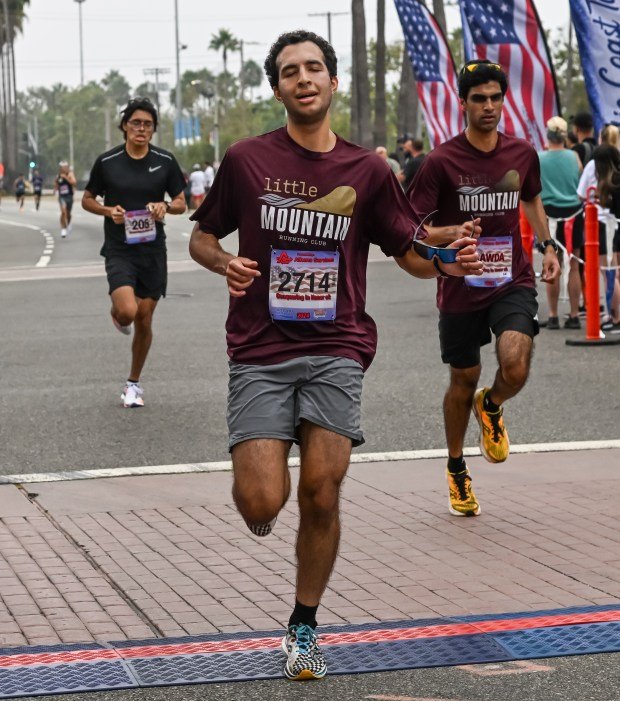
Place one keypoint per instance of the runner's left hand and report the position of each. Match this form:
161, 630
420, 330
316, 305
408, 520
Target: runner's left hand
551, 268
157, 209
468, 261
469, 229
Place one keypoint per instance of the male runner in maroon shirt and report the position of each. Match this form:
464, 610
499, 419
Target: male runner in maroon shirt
307, 205
486, 175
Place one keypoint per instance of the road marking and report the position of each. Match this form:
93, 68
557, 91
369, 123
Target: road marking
49, 241
381, 697
506, 668
226, 465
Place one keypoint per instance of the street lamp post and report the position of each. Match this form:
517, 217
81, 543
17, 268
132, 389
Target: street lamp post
79, 2
178, 59
210, 93
69, 121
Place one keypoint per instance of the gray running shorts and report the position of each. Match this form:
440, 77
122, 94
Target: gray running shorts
269, 401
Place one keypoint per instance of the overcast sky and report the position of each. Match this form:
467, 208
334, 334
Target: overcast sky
131, 35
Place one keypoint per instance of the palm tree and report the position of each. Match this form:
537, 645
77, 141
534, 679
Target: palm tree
380, 130
225, 41
12, 16
440, 14
361, 131
408, 105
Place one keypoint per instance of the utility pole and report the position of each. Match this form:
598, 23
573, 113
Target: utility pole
158, 86
329, 16
79, 2
241, 81
179, 104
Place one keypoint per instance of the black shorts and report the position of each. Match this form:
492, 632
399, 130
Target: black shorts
565, 213
462, 335
66, 203
146, 273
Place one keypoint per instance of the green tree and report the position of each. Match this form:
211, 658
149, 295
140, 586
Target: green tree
224, 41
568, 73
251, 75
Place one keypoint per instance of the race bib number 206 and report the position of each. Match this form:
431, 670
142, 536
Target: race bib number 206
139, 227
303, 285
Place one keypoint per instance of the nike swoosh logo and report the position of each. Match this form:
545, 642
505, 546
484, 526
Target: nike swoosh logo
152, 170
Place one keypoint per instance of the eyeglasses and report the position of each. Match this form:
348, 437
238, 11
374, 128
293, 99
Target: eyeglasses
141, 123
471, 67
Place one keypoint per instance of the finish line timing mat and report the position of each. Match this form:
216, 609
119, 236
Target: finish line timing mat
350, 649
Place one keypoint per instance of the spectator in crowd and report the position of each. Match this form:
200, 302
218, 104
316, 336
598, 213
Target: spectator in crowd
415, 149
571, 140
610, 136
197, 186
209, 176
606, 160
560, 169
394, 165
583, 127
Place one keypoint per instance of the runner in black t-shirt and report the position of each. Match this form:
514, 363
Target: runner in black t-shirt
20, 190
133, 180
63, 184
37, 188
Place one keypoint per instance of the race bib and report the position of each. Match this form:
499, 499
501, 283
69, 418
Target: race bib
63, 190
496, 255
303, 285
139, 226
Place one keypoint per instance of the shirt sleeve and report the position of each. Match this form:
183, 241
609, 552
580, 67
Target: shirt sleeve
96, 183
217, 214
391, 221
532, 185
423, 193
175, 184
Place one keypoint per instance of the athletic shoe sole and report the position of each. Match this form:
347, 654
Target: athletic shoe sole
136, 405
454, 512
126, 330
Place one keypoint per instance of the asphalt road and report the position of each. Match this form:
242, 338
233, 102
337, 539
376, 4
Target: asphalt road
62, 367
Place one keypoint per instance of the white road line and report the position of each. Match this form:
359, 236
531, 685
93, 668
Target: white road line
225, 465
49, 241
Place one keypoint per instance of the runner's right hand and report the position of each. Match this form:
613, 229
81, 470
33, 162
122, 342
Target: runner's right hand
117, 214
240, 274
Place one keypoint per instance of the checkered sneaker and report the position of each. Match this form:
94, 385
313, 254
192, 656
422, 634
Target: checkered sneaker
304, 659
262, 529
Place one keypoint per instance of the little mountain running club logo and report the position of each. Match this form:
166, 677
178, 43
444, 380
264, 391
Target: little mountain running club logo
481, 198
319, 222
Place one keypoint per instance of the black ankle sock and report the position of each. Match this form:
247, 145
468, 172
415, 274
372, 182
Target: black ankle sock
489, 405
133, 382
455, 465
303, 614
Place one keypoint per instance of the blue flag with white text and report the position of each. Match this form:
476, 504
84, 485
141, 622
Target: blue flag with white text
597, 25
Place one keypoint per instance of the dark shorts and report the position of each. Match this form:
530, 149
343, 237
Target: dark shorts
66, 203
462, 335
565, 213
147, 273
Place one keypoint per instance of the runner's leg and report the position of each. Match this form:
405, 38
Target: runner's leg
325, 458
514, 354
261, 480
457, 406
143, 335
124, 305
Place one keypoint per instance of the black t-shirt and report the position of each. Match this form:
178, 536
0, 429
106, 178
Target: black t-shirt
132, 183
64, 186
585, 150
37, 183
411, 167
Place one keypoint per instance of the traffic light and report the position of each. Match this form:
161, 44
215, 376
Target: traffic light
32, 164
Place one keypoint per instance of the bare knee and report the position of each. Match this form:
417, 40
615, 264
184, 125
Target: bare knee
515, 373
319, 500
125, 314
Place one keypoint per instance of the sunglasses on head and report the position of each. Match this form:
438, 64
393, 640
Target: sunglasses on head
471, 67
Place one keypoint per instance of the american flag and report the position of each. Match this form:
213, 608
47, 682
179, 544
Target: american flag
508, 32
434, 71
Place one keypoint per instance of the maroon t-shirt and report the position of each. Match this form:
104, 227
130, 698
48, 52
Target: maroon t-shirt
460, 181
282, 196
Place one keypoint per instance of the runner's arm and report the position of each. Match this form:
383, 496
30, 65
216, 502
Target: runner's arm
90, 204
240, 272
440, 235
535, 214
159, 209
467, 263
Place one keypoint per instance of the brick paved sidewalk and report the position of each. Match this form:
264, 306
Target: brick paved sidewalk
141, 557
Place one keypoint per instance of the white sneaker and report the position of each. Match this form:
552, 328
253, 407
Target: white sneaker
63, 233
132, 395
123, 329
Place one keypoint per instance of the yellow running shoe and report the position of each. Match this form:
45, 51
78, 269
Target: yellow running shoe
494, 443
463, 501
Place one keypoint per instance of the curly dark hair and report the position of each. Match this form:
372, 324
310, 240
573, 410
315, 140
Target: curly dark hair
297, 37
135, 104
478, 72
